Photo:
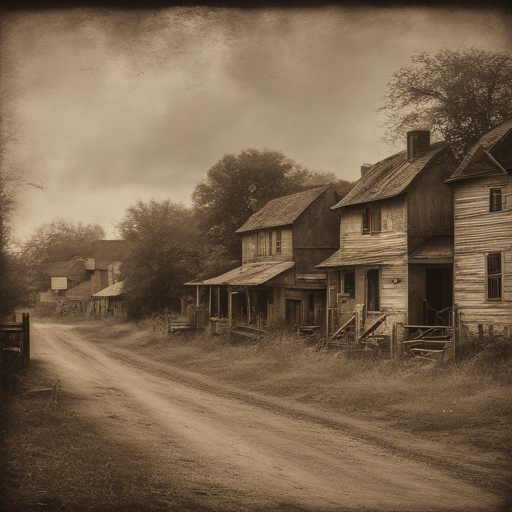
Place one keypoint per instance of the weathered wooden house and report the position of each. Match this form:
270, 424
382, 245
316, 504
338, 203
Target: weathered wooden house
482, 187
395, 254
109, 301
73, 282
278, 280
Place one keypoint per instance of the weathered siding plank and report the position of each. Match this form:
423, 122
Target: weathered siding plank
477, 233
379, 248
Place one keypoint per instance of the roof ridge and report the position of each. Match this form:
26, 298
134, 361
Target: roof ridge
378, 172
289, 211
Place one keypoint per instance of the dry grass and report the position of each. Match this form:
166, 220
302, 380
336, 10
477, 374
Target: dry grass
468, 401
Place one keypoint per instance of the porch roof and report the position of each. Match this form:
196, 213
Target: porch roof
355, 257
114, 290
438, 249
251, 274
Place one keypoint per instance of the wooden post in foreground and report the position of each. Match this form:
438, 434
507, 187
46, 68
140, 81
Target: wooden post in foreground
26, 339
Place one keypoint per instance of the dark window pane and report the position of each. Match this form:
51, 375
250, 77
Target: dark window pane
494, 264
376, 221
495, 200
372, 277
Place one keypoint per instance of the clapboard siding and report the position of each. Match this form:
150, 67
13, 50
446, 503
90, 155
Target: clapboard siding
477, 233
385, 247
250, 246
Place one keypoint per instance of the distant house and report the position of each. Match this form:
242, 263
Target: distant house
281, 245
103, 263
108, 302
83, 275
395, 254
482, 186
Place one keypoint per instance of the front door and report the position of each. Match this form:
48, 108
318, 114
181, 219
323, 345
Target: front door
293, 309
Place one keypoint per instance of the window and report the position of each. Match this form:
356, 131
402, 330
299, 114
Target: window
494, 276
278, 242
495, 200
371, 221
372, 289
261, 244
270, 243
349, 283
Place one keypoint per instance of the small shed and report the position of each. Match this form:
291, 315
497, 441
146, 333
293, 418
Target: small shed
108, 302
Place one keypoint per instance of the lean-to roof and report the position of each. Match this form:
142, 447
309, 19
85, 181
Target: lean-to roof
111, 291
251, 274
438, 248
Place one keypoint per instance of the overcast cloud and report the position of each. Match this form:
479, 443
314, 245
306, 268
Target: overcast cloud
104, 108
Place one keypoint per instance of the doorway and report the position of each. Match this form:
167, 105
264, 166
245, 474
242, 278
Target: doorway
293, 312
438, 296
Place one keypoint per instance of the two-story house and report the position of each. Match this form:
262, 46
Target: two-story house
395, 252
281, 246
482, 186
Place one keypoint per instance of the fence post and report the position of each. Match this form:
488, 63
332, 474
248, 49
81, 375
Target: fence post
393, 341
26, 339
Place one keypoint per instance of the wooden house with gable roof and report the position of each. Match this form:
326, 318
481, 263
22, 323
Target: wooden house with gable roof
395, 254
278, 281
482, 186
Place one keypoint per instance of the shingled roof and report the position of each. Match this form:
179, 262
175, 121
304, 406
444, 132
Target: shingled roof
114, 290
282, 211
251, 274
389, 177
491, 155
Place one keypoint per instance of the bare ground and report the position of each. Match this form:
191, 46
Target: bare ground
131, 433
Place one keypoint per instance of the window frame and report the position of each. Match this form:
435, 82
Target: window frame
279, 245
495, 205
497, 275
261, 244
367, 220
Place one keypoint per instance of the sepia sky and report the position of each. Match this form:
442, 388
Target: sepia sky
102, 108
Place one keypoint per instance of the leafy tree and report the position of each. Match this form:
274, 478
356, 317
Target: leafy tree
238, 185
9, 293
58, 240
164, 252
460, 94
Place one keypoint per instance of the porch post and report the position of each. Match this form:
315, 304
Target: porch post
210, 303
197, 297
328, 303
230, 306
248, 305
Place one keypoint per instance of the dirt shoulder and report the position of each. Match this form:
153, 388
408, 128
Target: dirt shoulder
98, 449
55, 458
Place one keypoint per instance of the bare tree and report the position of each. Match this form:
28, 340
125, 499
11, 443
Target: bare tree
459, 94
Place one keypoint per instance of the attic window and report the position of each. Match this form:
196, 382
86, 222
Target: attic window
494, 276
371, 221
495, 200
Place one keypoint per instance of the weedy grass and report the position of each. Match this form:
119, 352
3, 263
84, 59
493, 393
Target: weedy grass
466, 401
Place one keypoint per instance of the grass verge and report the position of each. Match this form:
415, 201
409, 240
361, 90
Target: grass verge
466, 402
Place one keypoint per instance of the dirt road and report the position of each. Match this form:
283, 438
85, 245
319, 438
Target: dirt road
233, 450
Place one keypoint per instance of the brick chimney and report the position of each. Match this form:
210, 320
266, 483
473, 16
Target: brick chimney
365, 168
418, 143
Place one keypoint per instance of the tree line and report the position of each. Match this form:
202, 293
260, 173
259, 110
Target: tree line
459, 94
